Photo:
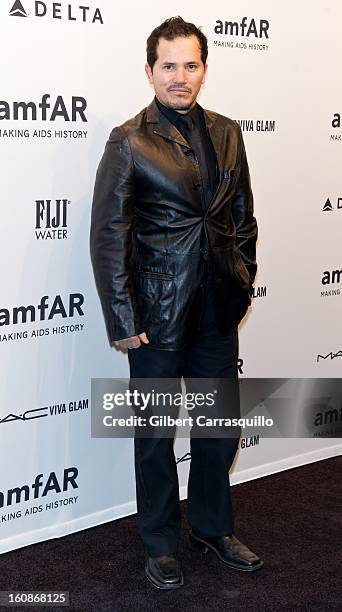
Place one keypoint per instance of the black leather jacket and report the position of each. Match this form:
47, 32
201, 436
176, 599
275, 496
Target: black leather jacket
149, 225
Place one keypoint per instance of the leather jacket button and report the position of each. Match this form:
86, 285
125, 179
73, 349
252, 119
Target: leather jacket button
204, 251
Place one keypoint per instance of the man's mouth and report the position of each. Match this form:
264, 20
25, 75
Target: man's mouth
180, 90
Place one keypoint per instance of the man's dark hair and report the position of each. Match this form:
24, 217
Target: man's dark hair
174, 28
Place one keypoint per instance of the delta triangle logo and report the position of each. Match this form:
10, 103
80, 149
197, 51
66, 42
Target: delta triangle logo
17, 10
327, 205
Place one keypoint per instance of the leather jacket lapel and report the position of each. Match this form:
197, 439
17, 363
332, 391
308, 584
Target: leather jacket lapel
216, 137
163, 127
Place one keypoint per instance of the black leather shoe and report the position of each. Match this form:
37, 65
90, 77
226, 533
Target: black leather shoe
164, 572
228, 549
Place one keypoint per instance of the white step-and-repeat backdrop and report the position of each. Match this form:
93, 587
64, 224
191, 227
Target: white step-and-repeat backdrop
69, 73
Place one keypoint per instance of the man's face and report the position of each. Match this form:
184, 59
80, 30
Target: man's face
178, 73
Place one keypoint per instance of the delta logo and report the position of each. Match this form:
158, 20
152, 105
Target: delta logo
17, 10
332, 204
57, 10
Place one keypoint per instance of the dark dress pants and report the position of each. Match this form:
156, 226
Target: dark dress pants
209, 507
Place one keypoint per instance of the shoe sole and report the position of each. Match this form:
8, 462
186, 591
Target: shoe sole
208, 547
161, 585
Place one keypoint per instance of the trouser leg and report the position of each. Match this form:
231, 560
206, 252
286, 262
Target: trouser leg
157, 492
209, 507
157, 486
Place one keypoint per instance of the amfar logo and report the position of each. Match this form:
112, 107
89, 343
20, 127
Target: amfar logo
238, 34
336, 123
328, 278
43, 311
328, 417
32, 111
328, 206
58, 10
51, 219
330, 356
331, 278
247, 27
49, 484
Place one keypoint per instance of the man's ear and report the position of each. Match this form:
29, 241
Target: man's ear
148, 72
205, 74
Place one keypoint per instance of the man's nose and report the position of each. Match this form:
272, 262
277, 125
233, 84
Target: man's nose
180, 75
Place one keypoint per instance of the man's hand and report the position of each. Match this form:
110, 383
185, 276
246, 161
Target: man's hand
131, 343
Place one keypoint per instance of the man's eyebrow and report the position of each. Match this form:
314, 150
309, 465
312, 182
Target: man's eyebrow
174, 63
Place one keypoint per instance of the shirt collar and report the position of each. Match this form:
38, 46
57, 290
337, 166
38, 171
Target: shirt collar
174, 116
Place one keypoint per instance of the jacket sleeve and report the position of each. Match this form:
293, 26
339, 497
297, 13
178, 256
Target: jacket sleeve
111, 235
243, 215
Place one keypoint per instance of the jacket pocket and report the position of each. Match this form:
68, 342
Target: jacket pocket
154, 274
153, 301
241, 271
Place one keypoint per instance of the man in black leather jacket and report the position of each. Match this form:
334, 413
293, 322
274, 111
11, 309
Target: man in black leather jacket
173, 250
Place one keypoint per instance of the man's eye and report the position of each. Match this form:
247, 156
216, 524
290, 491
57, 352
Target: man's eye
192, 66
168, 67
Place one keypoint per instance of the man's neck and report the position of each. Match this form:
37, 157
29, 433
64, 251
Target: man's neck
180, 111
